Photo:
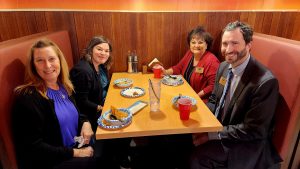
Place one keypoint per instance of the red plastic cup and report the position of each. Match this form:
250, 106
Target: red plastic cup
157, 72
184, 105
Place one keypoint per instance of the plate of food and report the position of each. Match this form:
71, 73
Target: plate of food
172, 80
115, 118
133, 92
176, 98
123, 82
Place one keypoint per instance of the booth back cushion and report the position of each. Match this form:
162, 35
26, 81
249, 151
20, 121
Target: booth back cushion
13, 55
282, 57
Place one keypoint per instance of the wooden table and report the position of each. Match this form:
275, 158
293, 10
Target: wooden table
166, 121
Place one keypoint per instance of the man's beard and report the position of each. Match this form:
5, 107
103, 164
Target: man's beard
241, 54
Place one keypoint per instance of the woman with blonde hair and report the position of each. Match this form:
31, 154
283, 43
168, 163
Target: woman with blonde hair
45, 118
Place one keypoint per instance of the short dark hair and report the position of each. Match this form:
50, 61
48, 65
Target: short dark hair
96, 40
200, 31
246, 29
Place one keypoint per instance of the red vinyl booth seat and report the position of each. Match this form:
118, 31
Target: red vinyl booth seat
282, 56
13, 55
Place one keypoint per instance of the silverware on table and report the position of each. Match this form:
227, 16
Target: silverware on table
151, 85
179, 96
113, 117
172, 77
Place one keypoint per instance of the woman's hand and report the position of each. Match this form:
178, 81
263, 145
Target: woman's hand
83, 152
201, 93
158, 66
99, 108
164, 71
86, 132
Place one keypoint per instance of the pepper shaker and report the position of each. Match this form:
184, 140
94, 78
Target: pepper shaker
135, 62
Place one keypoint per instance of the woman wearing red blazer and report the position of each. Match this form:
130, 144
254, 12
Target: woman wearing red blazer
198, 66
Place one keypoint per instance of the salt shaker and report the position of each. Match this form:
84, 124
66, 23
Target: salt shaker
130, 70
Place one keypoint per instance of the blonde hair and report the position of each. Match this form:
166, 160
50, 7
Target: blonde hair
32, 78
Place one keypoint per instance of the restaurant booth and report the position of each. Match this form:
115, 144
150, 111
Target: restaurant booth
154, 30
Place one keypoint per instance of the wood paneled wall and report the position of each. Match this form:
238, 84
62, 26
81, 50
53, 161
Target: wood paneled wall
151, 34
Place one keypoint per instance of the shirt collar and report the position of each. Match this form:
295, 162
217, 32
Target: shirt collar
240, 69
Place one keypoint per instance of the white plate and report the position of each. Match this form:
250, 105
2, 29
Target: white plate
123, 82
175, 99
111, 127
133, 92
172, 80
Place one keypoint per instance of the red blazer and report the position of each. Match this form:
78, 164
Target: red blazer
200, 81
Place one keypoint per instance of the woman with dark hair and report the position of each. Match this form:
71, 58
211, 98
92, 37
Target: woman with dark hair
198, 66
45, 119
90, 78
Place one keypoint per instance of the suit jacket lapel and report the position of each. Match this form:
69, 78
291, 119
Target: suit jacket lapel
240, 87
220, 87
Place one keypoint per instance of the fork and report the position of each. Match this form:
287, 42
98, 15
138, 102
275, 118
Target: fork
113, 117
179, 96
172, 77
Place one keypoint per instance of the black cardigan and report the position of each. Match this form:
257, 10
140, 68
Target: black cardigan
88, 90
36, 131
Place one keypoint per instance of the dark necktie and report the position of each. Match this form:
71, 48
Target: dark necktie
219, 110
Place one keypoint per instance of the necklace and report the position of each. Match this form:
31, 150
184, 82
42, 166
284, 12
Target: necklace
61, 94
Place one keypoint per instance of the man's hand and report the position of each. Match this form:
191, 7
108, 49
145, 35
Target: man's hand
200, 138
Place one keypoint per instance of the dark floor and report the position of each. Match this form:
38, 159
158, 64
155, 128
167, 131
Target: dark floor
162, 152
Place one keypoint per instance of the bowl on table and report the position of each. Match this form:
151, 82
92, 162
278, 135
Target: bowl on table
119, 117
123, 82
176, 98
172, 80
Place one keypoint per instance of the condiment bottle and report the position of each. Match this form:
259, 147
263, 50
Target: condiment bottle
130, 70
135, 62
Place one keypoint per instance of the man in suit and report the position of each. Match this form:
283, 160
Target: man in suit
245, 108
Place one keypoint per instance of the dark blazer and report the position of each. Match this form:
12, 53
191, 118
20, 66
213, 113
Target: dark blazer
36, 131
248, 122
88, 90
